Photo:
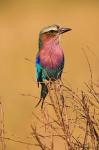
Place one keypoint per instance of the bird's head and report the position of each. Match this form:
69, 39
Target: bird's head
52, 32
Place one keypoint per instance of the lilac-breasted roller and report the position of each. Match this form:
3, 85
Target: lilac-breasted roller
50, 57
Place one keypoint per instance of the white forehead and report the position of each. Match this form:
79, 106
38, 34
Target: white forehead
47, 29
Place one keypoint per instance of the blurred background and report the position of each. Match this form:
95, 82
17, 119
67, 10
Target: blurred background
20, 23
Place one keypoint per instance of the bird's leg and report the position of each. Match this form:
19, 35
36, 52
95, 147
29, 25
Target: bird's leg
59, 84
48, 83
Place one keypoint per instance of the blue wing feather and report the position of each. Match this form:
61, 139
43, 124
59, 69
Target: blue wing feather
38, 70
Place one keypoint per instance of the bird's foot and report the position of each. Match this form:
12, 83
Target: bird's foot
58, 84
49, 84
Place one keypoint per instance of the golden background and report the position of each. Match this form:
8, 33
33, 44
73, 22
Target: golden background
20, 23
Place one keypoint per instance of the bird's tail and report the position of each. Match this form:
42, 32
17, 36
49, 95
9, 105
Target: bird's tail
44, 92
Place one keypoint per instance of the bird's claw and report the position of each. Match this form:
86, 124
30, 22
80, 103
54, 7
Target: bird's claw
48, 83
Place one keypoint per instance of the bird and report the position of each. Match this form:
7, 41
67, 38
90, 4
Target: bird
50, 57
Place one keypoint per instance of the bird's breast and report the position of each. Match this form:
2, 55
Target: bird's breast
51, 58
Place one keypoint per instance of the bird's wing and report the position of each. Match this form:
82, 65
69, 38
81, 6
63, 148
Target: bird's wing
38, 70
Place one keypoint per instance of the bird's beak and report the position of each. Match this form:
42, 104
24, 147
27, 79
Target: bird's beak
63, 30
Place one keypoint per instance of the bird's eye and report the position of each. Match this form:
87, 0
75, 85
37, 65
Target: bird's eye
52, 31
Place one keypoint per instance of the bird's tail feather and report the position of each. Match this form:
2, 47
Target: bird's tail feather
44, 92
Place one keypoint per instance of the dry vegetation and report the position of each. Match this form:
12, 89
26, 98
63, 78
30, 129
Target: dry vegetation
2, 131
69, 118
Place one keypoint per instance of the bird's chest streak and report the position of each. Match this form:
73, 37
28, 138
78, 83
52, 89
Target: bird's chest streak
51, 56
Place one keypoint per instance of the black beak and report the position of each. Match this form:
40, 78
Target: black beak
63, 30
